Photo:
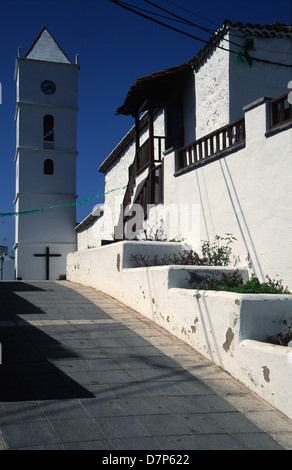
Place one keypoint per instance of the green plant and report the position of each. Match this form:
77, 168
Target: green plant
227, 282
216, 254
254, 286
233, 282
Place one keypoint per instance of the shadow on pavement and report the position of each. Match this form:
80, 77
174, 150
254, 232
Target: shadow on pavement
26, 372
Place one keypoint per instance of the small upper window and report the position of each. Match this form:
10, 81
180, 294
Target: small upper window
48, 132
48, 167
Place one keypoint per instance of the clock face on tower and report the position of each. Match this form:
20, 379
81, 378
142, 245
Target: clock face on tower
48, 87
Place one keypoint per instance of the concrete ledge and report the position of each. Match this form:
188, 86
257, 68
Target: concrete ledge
269, 368
230, 329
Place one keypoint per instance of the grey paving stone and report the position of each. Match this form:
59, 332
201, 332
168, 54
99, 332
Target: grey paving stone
22, 412
121, 427
113, 376
179, 375
180, 443
136, 443
89, 445
100, 391
101, 364
149, 373
234, 422
63, 409
136, 341
97, 333
28, 434
163, 389
270, 421
226, 386
84, 377
43, 447
134, 362
144, 405
246, 403
163, 425
220, 442
210, 403
283, 438
97, 407
92, 353
193, 387
182, 405
199, 423
133, 389
80, 343
257, 441
70, 365
107, 343
162, 361
122, 332
77, 430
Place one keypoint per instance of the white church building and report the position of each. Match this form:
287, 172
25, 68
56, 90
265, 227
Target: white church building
46, 123
209, 153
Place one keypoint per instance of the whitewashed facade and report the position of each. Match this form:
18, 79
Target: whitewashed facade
245, 189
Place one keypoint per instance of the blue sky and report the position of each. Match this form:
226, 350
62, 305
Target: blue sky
115, 47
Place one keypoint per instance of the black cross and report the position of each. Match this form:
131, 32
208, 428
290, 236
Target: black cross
47, 255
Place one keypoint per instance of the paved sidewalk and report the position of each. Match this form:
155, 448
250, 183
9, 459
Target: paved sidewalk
82, 371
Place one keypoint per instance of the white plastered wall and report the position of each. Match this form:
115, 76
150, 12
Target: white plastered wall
247, 193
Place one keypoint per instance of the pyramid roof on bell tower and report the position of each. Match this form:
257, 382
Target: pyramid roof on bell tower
46, 48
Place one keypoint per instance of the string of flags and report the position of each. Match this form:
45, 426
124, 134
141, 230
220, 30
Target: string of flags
35, 211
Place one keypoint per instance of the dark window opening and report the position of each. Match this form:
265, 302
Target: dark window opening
158, 185
48, 167
174, 123
48, 132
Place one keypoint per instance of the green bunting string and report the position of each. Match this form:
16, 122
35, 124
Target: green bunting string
36, 211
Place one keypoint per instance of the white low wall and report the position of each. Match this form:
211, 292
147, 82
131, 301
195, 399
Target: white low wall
228, 328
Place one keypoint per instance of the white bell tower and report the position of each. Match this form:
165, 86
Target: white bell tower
46, 125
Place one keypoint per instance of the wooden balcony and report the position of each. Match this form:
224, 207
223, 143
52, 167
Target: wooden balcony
226, 137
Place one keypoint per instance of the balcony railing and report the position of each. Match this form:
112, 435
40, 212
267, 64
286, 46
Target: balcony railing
280, 111
151, 193
145, 152
212, 144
